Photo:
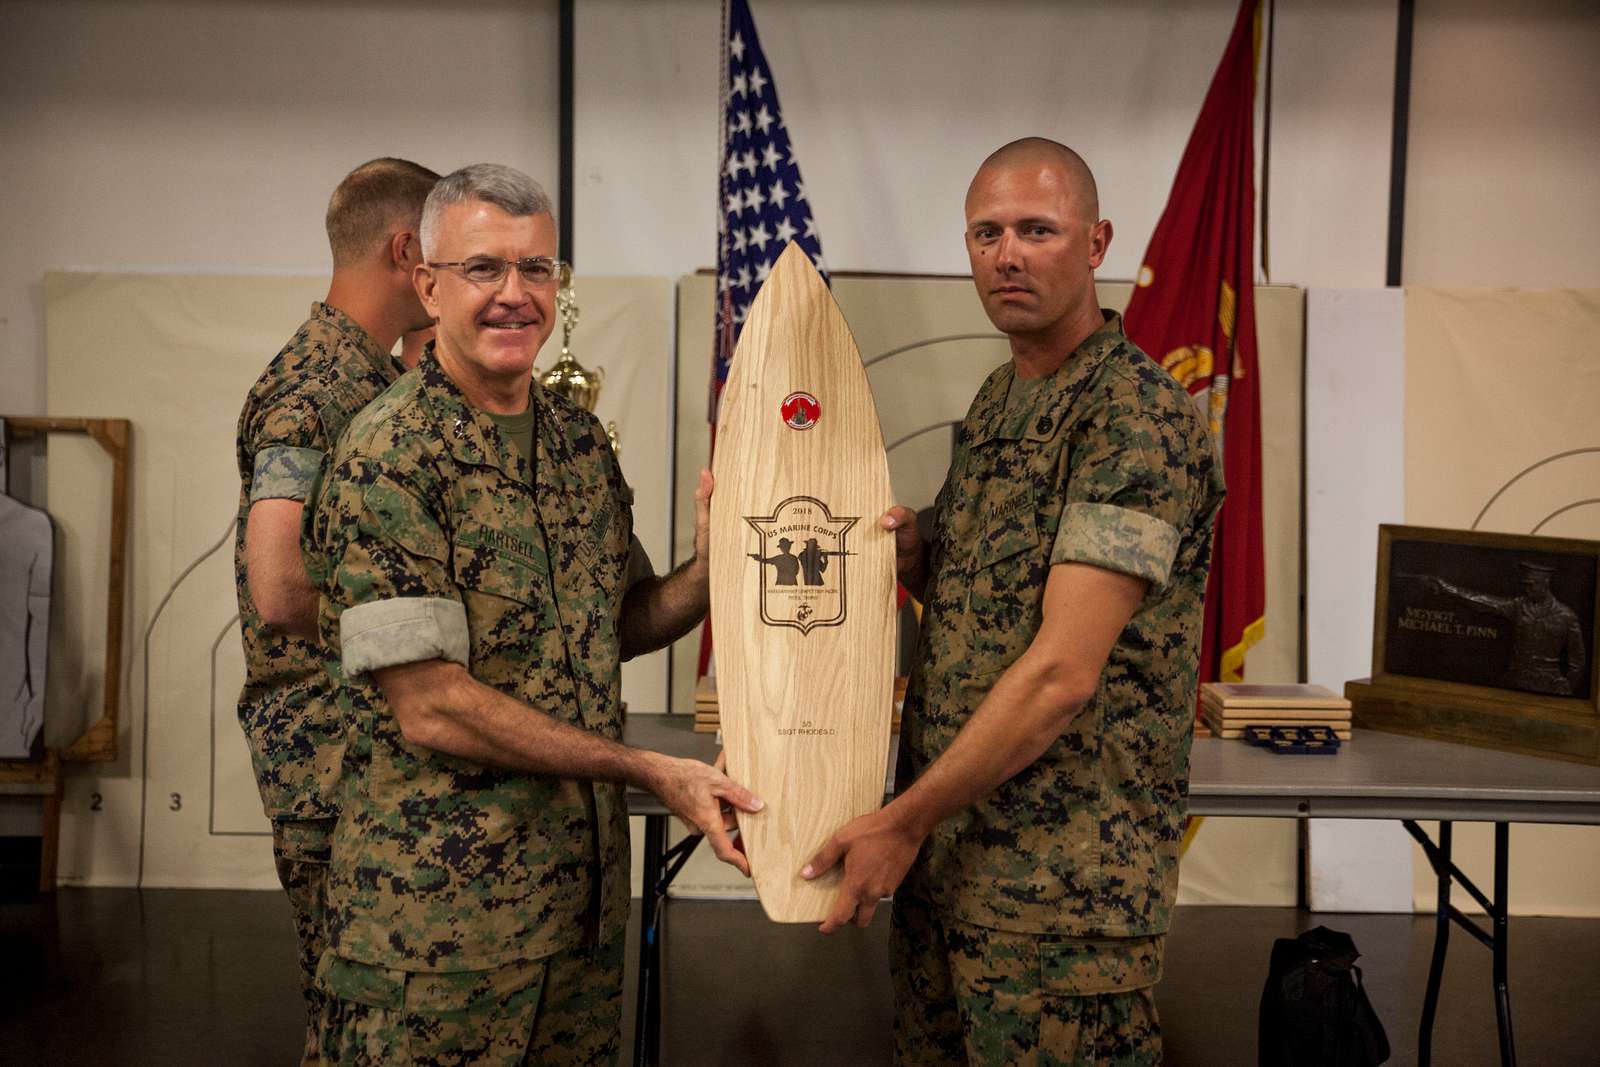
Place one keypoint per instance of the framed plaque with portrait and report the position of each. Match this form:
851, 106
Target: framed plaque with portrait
1486, 638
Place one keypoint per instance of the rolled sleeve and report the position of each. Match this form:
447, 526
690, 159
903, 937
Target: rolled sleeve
284, 472
388, 596
388, 633
1118, 539
1128, 501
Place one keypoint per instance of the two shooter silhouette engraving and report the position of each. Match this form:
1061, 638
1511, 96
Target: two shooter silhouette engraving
811, 561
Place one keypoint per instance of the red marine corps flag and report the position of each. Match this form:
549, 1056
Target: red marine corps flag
1193, 310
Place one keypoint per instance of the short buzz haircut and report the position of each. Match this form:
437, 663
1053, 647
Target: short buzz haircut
1030, 150
381, 197
506, 188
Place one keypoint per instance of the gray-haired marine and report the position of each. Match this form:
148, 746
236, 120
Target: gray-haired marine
482, 585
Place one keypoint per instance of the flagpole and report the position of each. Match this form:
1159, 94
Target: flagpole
1266, 139
1398, 138
718, 327
565, 194
722, 126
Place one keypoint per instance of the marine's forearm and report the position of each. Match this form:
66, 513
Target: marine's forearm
441, 707
1028, 708
660, 609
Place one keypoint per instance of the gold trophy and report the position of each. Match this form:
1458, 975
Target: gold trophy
568, 377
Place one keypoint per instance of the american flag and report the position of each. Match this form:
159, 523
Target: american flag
763, 203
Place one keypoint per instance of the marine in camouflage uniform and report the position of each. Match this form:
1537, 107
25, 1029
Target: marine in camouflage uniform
1032, 844
330, 369
479, 591
1057, 886
446, 542
327, 372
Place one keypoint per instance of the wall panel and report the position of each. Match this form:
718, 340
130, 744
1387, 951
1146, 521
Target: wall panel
176, 355
176, 136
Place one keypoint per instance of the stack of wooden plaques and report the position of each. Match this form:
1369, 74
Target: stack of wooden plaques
1226, 708
708, 720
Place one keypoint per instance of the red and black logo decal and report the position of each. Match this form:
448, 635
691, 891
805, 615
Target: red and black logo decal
801, 411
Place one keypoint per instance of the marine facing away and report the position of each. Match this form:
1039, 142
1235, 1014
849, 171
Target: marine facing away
335, 363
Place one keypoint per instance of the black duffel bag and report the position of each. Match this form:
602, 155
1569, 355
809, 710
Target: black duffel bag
1314, 1009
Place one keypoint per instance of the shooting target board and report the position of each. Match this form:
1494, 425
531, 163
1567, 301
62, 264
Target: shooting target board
802, 584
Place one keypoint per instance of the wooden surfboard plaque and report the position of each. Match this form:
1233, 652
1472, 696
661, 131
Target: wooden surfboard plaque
802, 584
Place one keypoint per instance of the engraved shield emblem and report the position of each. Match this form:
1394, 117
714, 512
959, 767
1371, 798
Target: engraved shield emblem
801, 551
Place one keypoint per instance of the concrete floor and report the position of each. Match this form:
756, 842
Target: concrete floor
207, 977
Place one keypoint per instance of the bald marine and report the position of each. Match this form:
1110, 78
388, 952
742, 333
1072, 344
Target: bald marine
1035, 238
1041, 152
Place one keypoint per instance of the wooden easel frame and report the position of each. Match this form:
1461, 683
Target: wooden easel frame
40, 778
98, 743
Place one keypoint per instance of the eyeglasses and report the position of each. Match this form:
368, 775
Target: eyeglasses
489, 270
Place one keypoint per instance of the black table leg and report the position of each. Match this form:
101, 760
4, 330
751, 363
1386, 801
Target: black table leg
1495, 938
1441, 943
647, 1007
661, 866
1502, 987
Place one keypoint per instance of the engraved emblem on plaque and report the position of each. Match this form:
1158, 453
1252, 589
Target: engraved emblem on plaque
802, 556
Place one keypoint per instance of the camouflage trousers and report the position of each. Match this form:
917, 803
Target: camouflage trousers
969, 994
564, 1009
300, 851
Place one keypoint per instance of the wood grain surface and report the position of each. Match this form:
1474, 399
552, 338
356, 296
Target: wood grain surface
802, 583
1257, 695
